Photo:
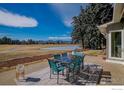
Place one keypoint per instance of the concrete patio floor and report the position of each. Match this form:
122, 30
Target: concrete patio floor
41, 70
115, 70
44, 76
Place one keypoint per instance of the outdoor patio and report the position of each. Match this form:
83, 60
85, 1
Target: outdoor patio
91, 74
44, 77
114, 72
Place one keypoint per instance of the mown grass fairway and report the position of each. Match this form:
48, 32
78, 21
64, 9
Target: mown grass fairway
8, 52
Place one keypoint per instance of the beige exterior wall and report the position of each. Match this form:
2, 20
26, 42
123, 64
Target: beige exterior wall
118, 12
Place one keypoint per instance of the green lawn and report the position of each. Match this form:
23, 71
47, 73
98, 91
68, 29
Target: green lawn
94, 52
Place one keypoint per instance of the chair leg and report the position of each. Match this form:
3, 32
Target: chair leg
58, 78
63, 73
73, 75
50, 73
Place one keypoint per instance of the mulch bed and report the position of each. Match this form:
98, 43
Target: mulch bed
14, 62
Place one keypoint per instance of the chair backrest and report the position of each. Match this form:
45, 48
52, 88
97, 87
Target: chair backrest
82, 61
64, 54
79, 60
57, 56
75, 65
52, 65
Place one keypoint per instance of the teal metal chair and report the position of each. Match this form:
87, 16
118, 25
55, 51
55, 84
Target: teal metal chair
77, 63
80, 59
54, 68
74, 67
64, 55
57, 56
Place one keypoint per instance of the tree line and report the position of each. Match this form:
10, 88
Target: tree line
7, 40
85, 25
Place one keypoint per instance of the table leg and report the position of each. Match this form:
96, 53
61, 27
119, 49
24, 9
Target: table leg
67, 73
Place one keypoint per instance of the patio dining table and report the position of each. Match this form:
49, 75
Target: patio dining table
66, 61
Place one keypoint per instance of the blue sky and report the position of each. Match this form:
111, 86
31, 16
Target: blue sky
37, 21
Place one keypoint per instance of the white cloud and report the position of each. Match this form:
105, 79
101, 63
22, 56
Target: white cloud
60, 38
68, 23
64, 35
66, 12
15, 20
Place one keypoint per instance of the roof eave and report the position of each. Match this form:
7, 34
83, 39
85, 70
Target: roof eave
103, 27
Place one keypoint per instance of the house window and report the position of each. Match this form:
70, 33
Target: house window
116, 44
